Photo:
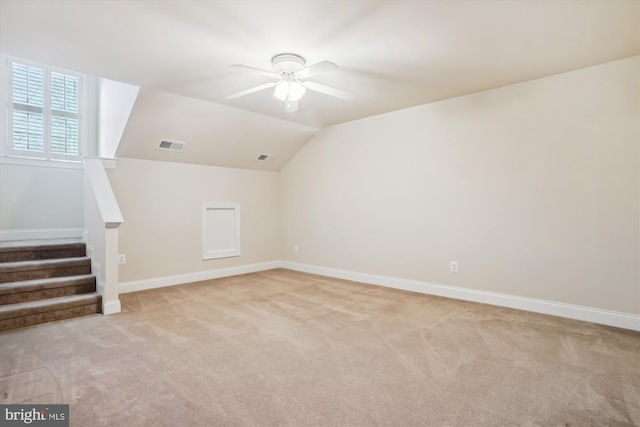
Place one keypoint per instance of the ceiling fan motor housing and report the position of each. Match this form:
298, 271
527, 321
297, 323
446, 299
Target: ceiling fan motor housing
287, 62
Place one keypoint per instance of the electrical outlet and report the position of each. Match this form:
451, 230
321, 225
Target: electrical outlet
295, 248
453, 266
122, 259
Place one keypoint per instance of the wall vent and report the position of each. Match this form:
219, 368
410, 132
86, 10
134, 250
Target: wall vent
266, 158
171, 145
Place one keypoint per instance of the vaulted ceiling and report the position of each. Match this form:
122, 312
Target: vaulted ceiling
392, 55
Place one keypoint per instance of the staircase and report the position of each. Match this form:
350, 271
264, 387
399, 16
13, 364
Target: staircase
46, 280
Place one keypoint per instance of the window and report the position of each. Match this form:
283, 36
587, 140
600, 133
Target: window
44, 119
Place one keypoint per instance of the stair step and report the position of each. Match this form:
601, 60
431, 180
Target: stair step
44, 281
29, 250
32, 290
23, 314
43, 269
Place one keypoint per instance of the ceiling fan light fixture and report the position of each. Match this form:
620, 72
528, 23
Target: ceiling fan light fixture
289, 90
290, 75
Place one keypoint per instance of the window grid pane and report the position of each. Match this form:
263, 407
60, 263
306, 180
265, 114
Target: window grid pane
28, 84
64, 92
28, 130
64, 135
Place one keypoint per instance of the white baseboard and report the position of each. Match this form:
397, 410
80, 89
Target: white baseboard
589, 314
111, 307
159, 282
41, 233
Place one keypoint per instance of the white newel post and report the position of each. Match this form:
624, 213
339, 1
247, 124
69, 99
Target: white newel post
102, 218
110, 300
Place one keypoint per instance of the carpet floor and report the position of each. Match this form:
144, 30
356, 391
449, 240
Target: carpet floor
282, 348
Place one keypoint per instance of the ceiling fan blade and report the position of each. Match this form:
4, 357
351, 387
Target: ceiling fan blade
256, 70
320, 67
251, 90
328, 90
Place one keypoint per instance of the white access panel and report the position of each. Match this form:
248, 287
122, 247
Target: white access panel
220, 230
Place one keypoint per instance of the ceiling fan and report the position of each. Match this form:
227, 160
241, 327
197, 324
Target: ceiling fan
291, 82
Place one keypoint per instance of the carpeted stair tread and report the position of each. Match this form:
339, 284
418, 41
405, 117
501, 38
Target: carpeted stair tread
41, 269
41, 264
37, 243
52, 304
39, 284
40, 249
32, 290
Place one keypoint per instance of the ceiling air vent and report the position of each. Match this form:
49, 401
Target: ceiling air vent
171, 146
266, 158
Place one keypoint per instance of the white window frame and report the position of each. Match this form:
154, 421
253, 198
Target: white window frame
6, 113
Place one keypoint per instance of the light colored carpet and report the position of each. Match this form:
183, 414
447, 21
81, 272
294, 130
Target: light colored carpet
282, 348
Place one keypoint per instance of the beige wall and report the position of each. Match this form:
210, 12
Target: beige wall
161, 204
533, 188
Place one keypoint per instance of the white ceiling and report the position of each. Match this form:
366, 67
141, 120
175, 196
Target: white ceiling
392, 54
